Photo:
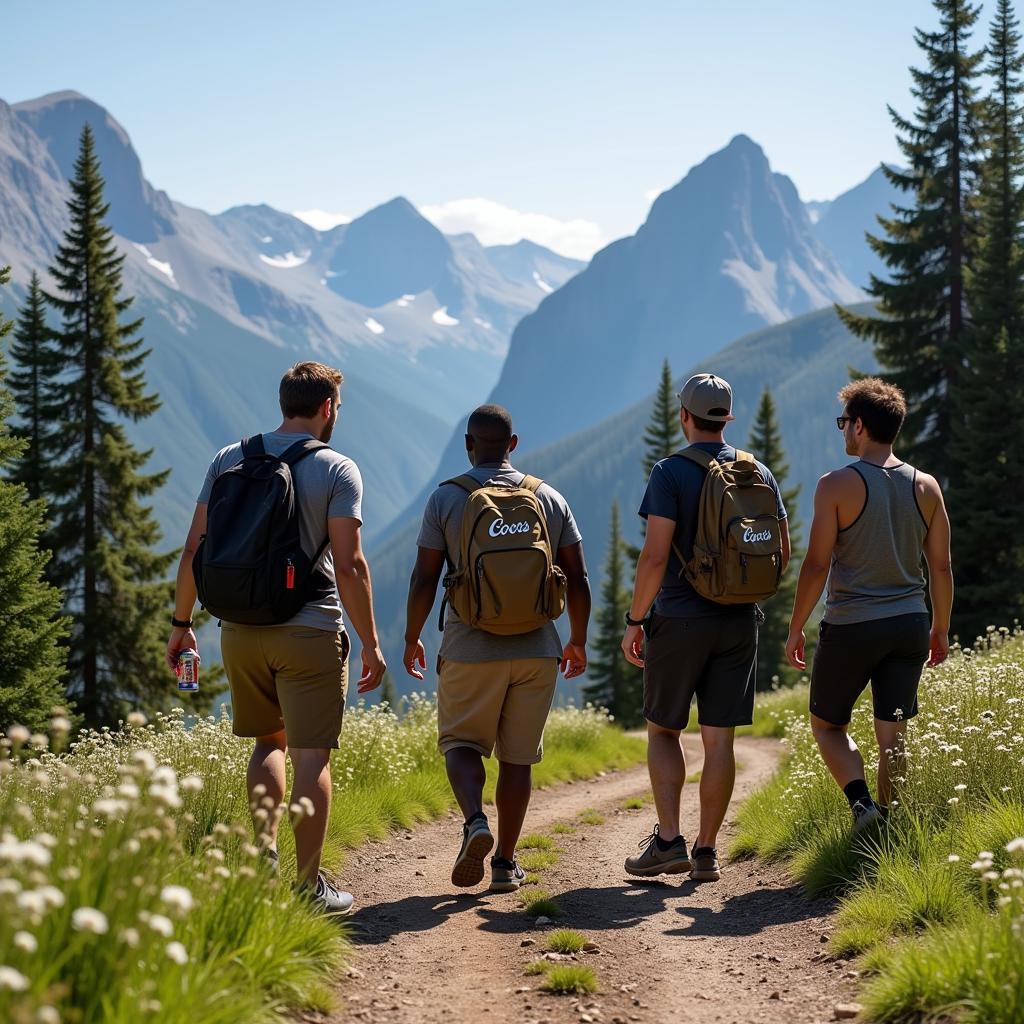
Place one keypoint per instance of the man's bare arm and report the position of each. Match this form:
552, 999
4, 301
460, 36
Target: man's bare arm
650, 574
940, 574
571, 561
185, 588
422, 590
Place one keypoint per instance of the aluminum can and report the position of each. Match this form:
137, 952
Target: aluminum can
188, 671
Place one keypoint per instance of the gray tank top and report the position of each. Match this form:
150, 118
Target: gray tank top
877, 569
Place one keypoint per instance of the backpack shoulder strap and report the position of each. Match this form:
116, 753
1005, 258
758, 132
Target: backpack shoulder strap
702, 458
531, 483
742, 456
252, 447
468, 483
298, 451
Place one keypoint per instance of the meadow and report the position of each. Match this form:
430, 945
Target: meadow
932, 903
130, 886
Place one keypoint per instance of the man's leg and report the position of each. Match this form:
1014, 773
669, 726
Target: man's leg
667, 767
891, 738
466, 776
512, 799
265, 780
716, 782
313, 780
838, 751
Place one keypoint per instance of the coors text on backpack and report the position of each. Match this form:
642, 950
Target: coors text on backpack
274, 542
717, 542
514, 555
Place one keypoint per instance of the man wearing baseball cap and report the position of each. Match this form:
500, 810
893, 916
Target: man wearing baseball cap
695, 646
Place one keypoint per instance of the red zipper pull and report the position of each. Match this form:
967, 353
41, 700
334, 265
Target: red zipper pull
290, 575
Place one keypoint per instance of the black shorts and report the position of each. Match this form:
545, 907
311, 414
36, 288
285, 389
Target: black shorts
888, 653
714, 657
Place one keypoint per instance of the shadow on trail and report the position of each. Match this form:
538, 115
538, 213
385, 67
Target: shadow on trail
750, 912
379, 922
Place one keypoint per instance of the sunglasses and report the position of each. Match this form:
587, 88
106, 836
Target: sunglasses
841, 421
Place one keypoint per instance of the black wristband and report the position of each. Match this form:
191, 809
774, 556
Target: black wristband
635, 622
180, 623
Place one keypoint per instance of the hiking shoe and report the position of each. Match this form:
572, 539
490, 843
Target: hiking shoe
506, 875
705, 864
269, 854
476, 844
653, 860
864, 813
327, 897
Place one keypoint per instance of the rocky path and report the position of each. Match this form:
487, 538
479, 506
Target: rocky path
746, 949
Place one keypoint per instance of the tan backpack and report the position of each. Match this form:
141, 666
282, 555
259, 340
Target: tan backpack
737, 552
505, 581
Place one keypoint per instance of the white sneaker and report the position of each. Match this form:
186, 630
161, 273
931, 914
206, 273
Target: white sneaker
864, 813
328, 898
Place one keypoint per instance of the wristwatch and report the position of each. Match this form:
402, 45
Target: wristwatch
181, 623
635, 622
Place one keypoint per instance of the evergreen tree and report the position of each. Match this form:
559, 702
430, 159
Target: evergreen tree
766, 445
662, 437
388, 692
616, 684
987, 488
31, 382
31, 656
919, 334
103, 534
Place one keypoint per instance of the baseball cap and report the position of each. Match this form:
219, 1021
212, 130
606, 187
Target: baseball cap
708, 397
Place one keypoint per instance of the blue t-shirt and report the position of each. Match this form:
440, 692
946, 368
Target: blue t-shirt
673, 492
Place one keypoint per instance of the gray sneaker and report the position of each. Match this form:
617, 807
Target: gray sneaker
864, 813
328, 898
476, 844
506, 875
705, 864
655, 861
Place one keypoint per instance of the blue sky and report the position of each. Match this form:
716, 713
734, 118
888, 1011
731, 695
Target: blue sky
558, 120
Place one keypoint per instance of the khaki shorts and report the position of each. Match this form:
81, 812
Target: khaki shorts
500, 705
286, 677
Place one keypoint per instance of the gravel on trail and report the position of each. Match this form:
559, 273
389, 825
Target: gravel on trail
745, 949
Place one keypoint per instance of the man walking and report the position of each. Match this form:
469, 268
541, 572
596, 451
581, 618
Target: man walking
873, 521
696, 645
274, 541
499, 532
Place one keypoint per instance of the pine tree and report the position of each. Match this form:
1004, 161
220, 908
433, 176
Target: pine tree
919, 336
31, 382
388, 692
766, 445
987, 488
662, 437
31, 656
616, 684
103, 534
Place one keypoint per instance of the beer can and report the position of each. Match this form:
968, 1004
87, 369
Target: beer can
188, 671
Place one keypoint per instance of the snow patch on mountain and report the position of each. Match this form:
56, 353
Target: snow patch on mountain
485, 324
165, 268
440, 316
288, 261
375, 326
542, 284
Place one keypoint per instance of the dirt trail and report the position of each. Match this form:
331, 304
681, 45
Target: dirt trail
745, 949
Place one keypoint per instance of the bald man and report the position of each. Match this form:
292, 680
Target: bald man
494, 692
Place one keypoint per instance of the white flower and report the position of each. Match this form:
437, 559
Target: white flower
89, 919
18, 735
47, 1015
136, 719
953, 801
192, 783
166, 795
144, 759
26, 942
1015, 845
177, 897
129, 936
161, 925
51, 895
307, 806
953, 859
12, 980
60, 725
165, 776
177, 952
959, 787
32, 903
9, 886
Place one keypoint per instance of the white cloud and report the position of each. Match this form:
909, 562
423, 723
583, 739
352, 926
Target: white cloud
321, 220
496, 224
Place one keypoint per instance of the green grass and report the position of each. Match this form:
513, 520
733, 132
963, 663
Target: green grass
535, 967
565, 940
106, 827
539, 860
570, 979
536, 841
939, 924
591, 817
634, 803
561, 828
538, 903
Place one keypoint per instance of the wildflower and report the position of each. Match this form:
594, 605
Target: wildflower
953, 859
89, 919
32, 903
60, 725
191, 783
9, 887
166, 795
177, 952
26, 942
18, 735
129, 936
47, 1015
165, 776
959, 787
307, 806
39, 740
136, 719
161, 925
1015, 845
144, 759
953, 801
177, 897
12, 980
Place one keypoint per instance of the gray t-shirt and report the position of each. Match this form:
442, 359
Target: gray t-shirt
329, 487
442, 523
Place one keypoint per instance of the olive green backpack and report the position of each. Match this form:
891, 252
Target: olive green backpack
737, 552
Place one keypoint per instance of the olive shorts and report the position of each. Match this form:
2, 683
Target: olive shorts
286, 677
499, 706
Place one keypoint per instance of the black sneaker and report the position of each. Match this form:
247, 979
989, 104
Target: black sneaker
653, 860
476, 844
506, 875
705, 864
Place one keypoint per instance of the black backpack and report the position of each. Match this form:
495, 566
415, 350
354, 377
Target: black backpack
249, 567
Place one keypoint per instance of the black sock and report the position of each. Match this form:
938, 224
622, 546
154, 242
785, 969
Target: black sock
473, 817
857, 791
664, 844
